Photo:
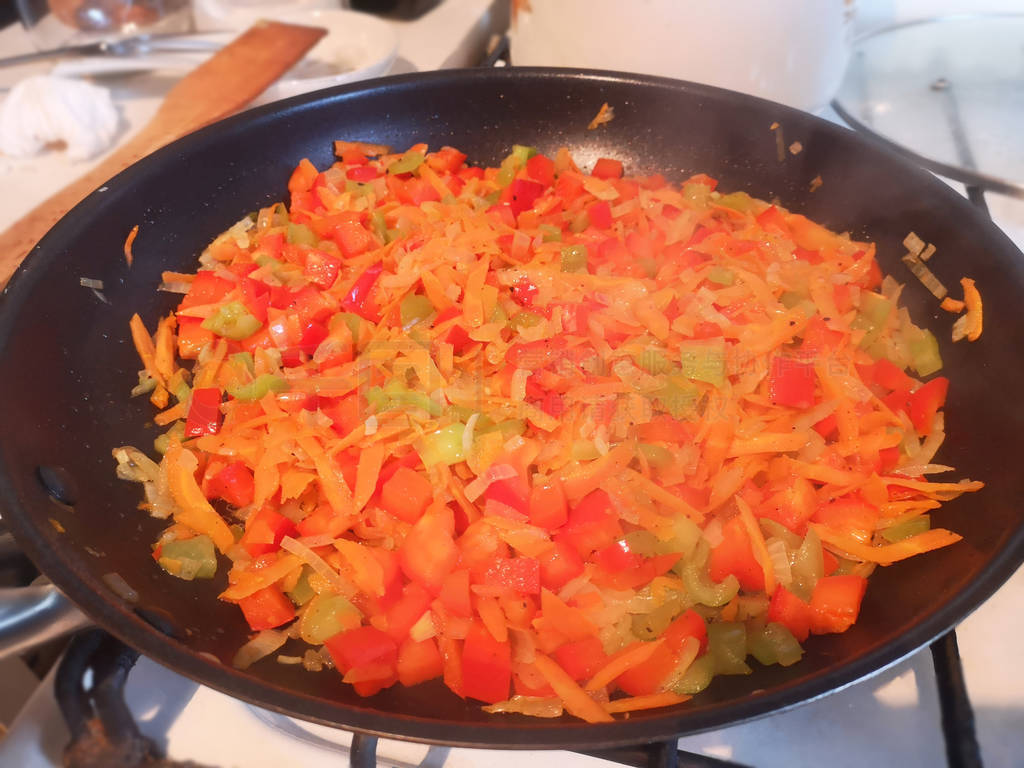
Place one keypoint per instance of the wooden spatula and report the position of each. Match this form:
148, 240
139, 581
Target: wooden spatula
223, 84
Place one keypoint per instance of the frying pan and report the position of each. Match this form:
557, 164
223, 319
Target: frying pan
68, 366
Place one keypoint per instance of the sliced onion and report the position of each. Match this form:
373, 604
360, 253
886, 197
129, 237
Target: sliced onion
931, 443
263, 644
713, 533
467, 433
121, 587
312, 661
475, 488
317, 563
88, 282
174, 287
779, 556
282, 659
915, 470
534, 706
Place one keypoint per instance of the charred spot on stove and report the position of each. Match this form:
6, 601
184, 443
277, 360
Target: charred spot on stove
59, 484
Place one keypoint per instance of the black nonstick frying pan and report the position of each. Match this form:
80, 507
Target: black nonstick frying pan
68, 365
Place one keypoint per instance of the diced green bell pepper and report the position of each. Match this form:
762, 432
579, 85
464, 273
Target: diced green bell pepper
738, 201
232, 321
698, 675
302, 593
727, 645
259, 387
443, 446
699, 587
189, 559
407, 163
907, 529
300, 234
325, 616
774, 644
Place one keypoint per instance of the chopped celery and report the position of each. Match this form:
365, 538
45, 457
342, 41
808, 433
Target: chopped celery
924, 352
508, 428
379, 225
727, 645
699, 587
506, 173
657, 456
358, 188
394, 396
263, 259
326, 615
521, 153
351, 319
678, 397
790, 299
641, 542
443, 446
875, 308
697, 194
649, 626
232, 321
652, 360
176, 432
415, 309
552, 234
244, 361
300, 234
738, 201
704, 360
189, 559
407, 163
721, 276
685, 535
584, 450
808, 566
525, 320
774, 644
779, 531
908, 528
302, 593
574, 258
258, 388
699, 674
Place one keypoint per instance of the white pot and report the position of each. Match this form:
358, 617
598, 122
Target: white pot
791, 51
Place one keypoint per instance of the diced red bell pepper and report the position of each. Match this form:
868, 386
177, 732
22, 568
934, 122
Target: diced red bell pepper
192, 337
791, 612
365, 648
234, 483
419, 661
926, 402
607, 168
312, 335
321, 268
890, 376
791, 383
428, 553
790, 503
207, 288
647, 677
407, 610
345, 413
559, 565
524, 195
581, 658
455, 593
256, 298
362, 173
203, 412
600, 214
302, 177
647, 569
835, 603
616, 557
735, 556
324, 521
446, 160
358, 299
548, 508
827, 426
592, 524
512, 492
818, 339
849, 514
406, 494
267, 608
264, 531
520, 574
542, 169
888, 458
486, 666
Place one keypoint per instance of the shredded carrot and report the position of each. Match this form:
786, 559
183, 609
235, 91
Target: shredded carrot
370, 461
886, 554
952, 305
624, 660
193, 508
758, 544
650, 701
128, 257
253, 581
163, 354
973, 318
493, 618
173, 413
160, 396
604, 115
144, 346
576, 700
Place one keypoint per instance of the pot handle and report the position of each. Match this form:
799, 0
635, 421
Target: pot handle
31, 616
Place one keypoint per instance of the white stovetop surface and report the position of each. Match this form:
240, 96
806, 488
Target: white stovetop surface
891, 719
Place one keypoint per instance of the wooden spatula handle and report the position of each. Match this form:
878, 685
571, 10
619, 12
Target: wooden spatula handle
227, 81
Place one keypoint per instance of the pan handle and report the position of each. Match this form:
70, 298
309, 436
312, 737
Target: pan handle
30, 616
